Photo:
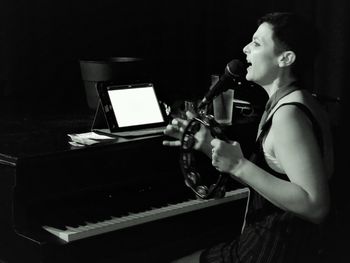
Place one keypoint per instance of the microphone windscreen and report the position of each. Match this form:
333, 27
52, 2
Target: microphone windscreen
235, 68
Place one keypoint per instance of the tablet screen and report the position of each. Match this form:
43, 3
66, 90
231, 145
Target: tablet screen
130, 107
135, 106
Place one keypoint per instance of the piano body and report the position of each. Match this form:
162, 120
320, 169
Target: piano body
121, 201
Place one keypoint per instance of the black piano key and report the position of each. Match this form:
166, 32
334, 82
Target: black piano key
57, 224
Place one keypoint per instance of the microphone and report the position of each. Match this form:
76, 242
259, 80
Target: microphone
233, 76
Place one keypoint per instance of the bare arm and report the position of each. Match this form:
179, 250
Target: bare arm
297, 150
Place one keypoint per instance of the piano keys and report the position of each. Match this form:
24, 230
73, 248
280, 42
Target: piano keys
115, 223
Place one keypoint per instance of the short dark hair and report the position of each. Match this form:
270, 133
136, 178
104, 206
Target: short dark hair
296, 33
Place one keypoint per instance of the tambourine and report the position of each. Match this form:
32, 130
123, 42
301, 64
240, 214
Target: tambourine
205, 186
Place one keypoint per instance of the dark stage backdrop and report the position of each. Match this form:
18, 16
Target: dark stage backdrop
183, 42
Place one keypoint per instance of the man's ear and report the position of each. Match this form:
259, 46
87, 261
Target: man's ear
287, 58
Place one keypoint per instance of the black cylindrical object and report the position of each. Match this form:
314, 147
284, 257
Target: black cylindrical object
119, 70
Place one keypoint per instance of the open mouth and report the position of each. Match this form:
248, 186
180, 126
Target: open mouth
248, 64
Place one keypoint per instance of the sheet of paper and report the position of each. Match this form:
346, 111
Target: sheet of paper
88, 138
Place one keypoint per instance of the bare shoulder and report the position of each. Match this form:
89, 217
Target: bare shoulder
289, 116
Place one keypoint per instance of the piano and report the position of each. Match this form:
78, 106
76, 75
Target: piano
121, 201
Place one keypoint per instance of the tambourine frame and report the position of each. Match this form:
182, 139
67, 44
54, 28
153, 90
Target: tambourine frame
187, 159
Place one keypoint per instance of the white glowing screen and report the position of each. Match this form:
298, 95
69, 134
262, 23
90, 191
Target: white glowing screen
135, 106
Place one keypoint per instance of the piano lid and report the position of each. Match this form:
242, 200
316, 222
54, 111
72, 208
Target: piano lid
23, 138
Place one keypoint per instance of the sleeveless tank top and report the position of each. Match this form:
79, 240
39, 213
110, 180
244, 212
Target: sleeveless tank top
270, 234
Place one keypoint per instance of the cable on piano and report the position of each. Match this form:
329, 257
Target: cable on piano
204, 186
